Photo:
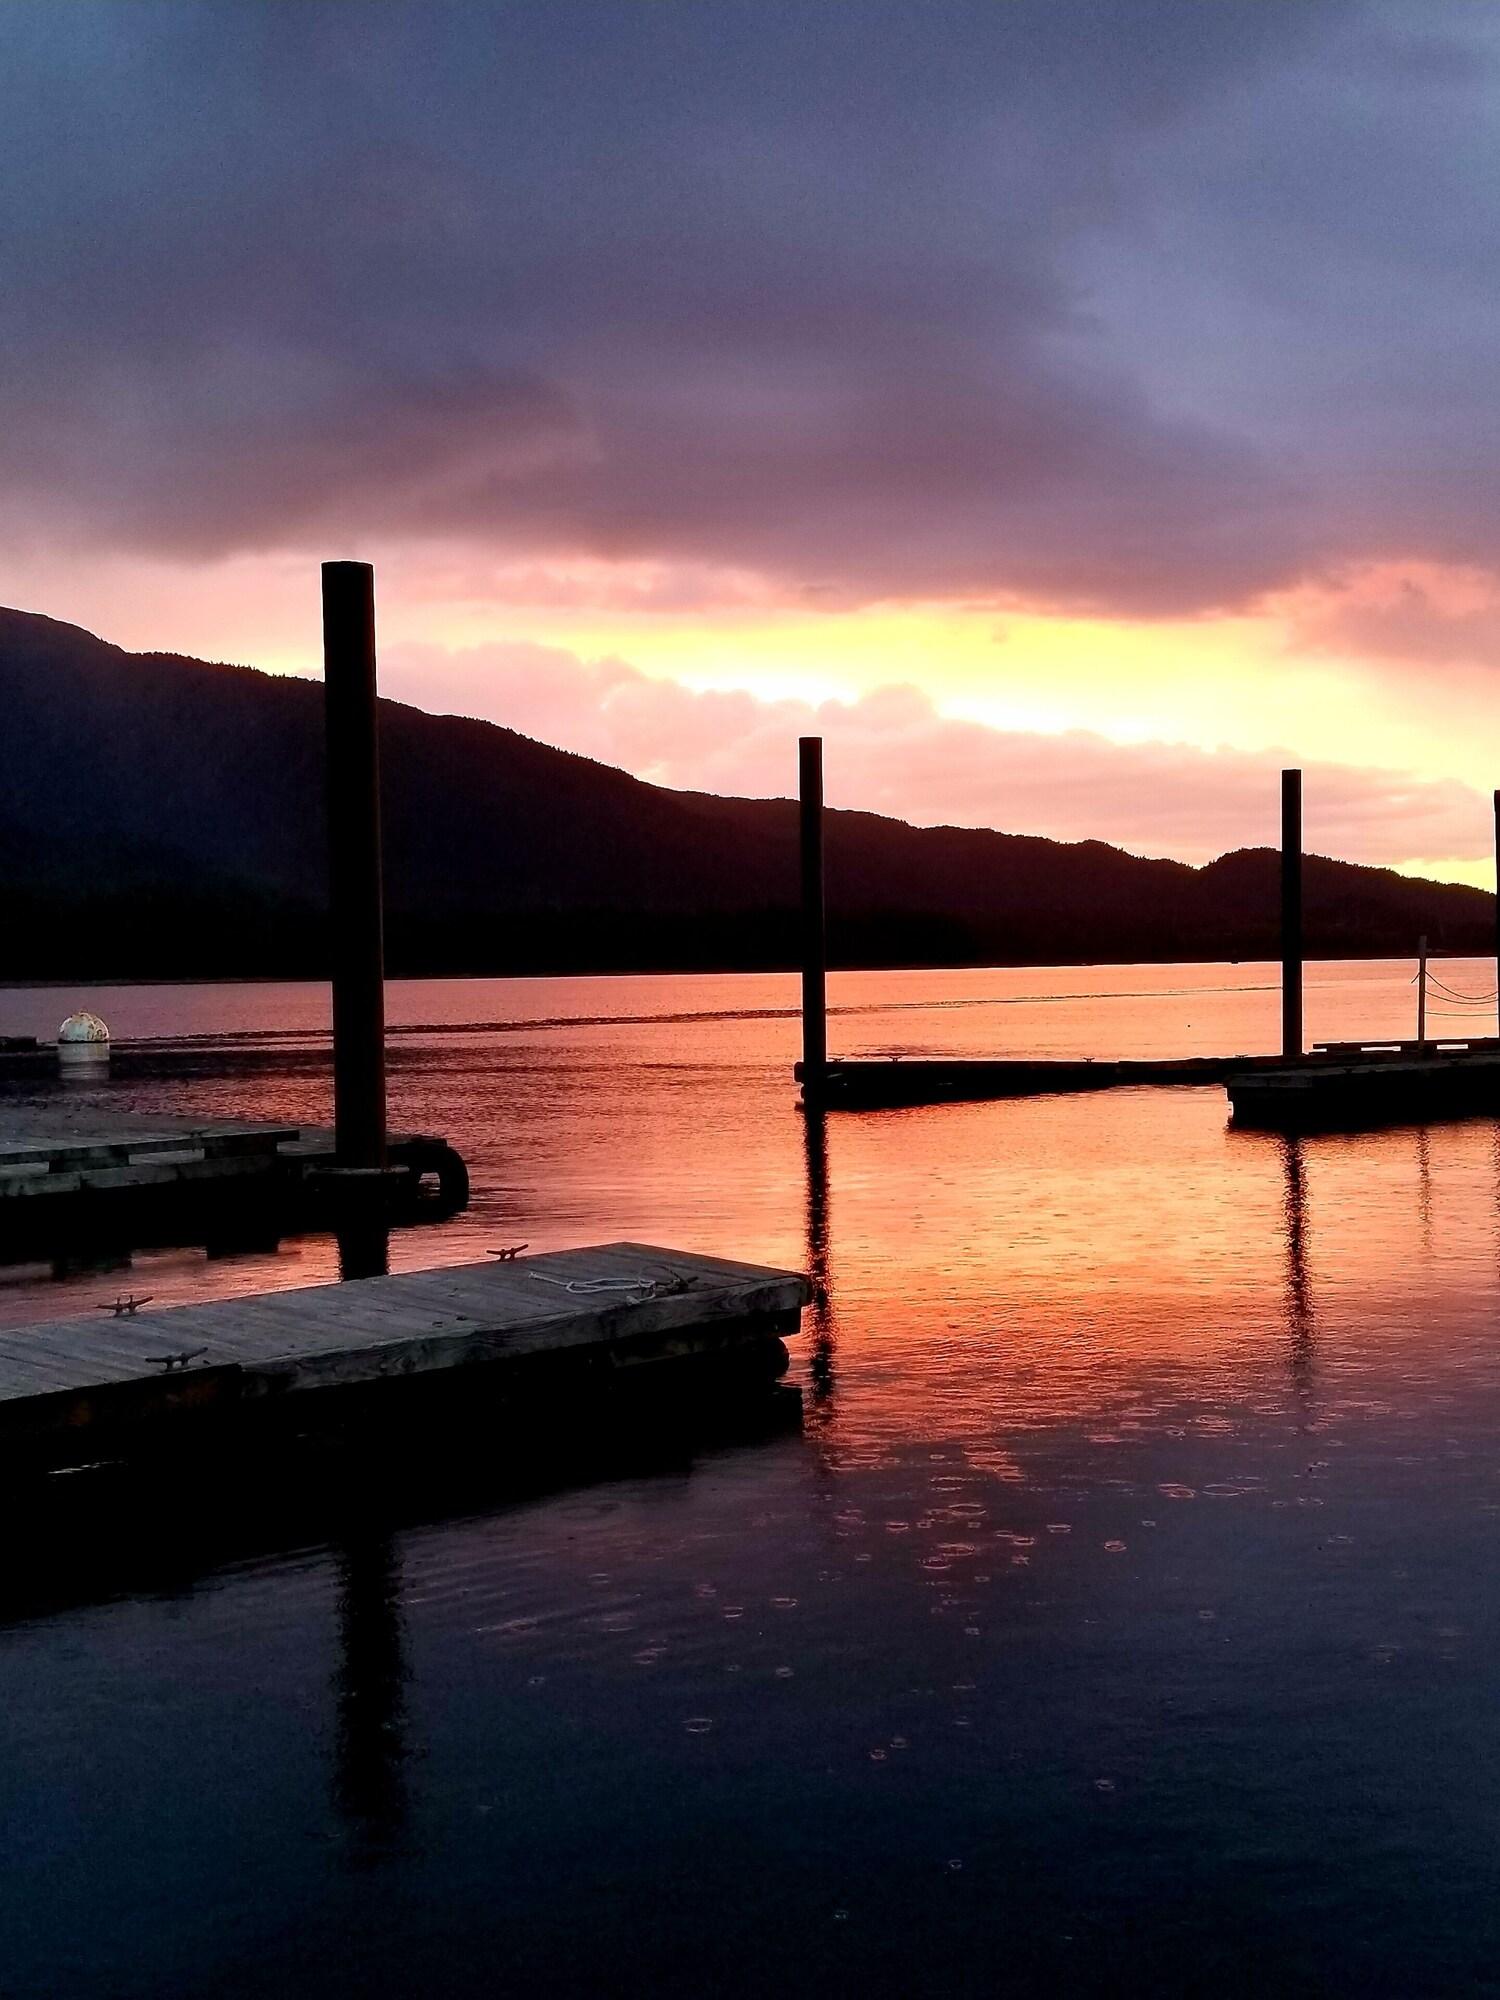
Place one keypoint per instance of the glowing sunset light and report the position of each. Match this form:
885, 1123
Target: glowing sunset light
781, 1272
1015, 401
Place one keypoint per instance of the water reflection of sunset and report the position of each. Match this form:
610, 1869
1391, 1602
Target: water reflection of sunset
1136, 1524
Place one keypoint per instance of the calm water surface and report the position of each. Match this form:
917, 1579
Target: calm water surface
1122, 1617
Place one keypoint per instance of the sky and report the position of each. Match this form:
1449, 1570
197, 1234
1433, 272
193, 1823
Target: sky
1072, 409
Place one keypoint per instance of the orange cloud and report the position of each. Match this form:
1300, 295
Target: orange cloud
891, 750
1440, 614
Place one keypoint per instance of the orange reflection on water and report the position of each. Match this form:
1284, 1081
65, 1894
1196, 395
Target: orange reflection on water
981, 1268
1128, 1569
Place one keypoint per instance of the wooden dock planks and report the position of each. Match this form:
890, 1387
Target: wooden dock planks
596, 1300
68, 1171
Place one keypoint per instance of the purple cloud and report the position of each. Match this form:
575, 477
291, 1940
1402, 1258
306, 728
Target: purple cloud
1142, 309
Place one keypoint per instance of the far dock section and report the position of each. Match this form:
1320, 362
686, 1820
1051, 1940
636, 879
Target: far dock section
68, 1176
1409, 1085
872, 1085
557, 1325
1391, 1081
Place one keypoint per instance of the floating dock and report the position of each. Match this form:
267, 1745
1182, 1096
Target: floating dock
69, 1174
871, 1085
868, 1084
81, 1389
1403, 1087
1395, 1046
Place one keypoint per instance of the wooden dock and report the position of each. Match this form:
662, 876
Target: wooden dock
1396, 1046
68, 1173
84, 1388
871, 1085
1398, 1088
868, 1084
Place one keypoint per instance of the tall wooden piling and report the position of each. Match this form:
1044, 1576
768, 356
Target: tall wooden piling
814, 923
1291, 913
354, 881
1497, 906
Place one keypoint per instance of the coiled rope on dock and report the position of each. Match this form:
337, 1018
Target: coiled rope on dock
635, 1291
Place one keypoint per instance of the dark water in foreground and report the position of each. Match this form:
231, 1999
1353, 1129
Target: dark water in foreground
1122, 1617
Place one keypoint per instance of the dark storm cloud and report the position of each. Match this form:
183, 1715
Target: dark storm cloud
1137, 306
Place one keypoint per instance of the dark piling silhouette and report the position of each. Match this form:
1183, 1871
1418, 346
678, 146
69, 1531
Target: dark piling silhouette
370, 1689
364, 1246
1291, 913
355, 903
814, 921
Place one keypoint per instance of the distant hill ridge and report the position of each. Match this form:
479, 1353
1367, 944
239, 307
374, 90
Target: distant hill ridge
162, 817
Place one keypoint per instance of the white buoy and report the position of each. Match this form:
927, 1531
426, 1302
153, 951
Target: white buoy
82, 1042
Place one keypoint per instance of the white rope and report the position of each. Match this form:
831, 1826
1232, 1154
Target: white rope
636, 1290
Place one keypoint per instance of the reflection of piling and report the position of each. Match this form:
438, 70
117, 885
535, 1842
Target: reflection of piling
371, 1687
814, 925
1424, 1187
821, 1353
364, 1246
1294, 1214
1291, 913
1301, 1327
355, 915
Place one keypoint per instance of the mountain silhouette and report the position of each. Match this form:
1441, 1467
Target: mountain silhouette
162, 817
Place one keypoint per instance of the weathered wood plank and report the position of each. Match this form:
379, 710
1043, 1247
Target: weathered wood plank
29, 1374
66, 1168
414, 1322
